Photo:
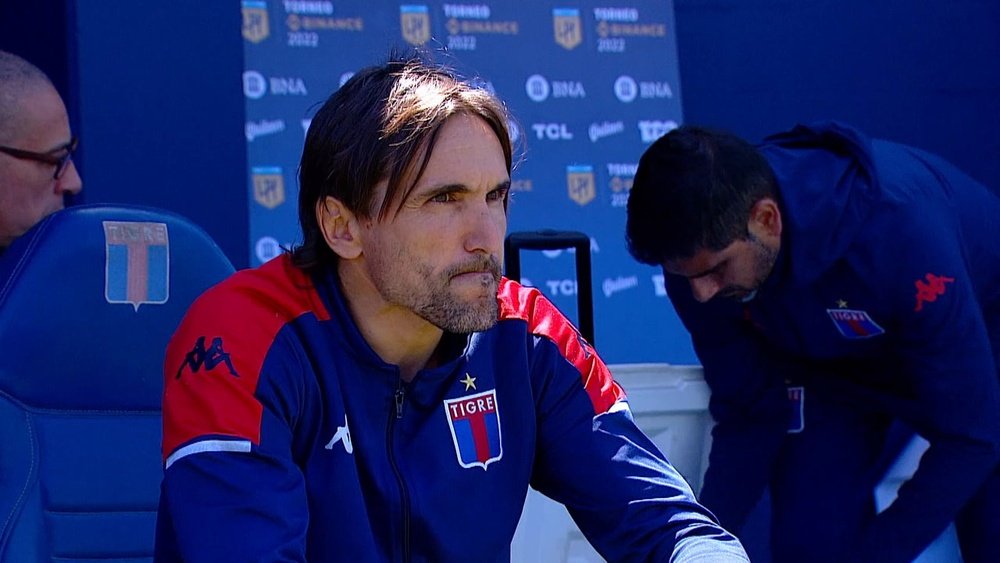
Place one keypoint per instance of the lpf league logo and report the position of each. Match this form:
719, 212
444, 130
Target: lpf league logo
415, 24
567, 28
137, 266
580, 183
268, 186
255, 25
475, 429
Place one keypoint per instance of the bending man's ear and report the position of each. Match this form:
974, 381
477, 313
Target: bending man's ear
765, 219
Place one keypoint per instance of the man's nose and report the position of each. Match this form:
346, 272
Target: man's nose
704, 289
69, 182
486, 226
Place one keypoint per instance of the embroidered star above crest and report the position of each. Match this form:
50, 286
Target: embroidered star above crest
469, 381
842, 303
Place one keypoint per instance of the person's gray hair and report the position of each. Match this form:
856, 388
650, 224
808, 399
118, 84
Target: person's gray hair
17, 76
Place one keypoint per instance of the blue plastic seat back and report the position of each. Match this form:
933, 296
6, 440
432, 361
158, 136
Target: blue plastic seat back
88, 300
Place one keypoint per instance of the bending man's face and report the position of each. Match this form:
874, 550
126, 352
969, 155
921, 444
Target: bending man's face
735, 272
442, 255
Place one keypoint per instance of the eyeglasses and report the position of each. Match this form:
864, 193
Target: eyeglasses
60, 162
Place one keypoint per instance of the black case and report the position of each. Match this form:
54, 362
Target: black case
548, 239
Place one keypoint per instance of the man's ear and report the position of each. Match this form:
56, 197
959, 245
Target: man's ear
340, 227
765, 219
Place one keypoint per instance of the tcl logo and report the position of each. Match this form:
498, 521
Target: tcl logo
561, 287
651, 130
552, 131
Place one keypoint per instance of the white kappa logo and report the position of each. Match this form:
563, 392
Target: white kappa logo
343, 435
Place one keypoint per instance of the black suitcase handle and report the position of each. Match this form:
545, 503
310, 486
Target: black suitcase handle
547, 239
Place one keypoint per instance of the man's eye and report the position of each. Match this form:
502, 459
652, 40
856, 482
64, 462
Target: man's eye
443, 197
497, 194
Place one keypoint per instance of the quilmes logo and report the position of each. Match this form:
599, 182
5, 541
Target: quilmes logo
651, 130
614, 285
567, 28
415, 23
263, 127
255, 23
598, 131
137, 267
268, 186
580, 183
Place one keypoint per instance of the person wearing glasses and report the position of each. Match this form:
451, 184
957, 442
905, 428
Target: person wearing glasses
36, 148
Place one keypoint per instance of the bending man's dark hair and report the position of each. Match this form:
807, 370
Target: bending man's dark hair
382, 124
694, 190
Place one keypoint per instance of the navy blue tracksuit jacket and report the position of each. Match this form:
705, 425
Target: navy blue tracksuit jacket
287, 438
884, 302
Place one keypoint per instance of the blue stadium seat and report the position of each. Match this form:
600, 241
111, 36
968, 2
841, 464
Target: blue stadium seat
88, 301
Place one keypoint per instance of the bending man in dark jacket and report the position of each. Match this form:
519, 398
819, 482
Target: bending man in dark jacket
832, 283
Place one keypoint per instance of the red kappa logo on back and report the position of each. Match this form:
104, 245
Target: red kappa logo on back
929, 291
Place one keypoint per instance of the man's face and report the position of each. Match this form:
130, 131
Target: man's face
441, 256
28, 191
735, 272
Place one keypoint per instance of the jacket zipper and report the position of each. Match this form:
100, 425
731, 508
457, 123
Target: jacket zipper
399, 396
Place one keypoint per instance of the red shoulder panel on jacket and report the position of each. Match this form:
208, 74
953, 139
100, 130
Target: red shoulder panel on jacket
213, 361
544, 319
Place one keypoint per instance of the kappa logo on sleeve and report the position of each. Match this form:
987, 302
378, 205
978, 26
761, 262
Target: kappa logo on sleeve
928, 291
208, 358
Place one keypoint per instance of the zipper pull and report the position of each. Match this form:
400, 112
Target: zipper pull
400, 394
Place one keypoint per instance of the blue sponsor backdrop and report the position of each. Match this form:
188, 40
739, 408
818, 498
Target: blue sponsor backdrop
589, 87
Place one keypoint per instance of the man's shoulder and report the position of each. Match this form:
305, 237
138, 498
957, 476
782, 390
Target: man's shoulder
275, 292
528, 304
